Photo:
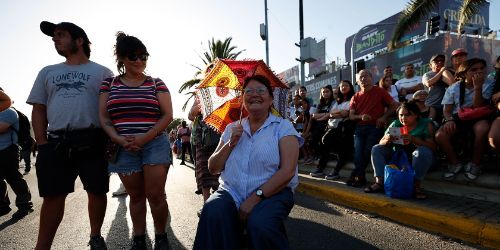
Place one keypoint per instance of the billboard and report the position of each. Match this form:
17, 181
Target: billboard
318, 66
290, 76
376, 36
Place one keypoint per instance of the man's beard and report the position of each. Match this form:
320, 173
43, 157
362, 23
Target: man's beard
72, 50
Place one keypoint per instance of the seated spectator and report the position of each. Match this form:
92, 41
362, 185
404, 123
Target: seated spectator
419, 98
409, 84
471, 91
386, 82
494, 134
418, 144
319, 119
257, 160
339, 134
436, 81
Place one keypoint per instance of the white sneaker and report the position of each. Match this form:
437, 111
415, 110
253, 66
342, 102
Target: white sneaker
453, 170
121, 191
472, 171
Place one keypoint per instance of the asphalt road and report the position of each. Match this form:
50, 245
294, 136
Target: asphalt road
312, 224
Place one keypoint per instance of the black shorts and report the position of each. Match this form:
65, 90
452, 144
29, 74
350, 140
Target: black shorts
71, 154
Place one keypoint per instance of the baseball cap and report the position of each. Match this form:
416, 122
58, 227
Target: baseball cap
48, 29
437, 56
458, 51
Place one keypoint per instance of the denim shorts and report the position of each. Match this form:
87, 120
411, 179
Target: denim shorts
154, 152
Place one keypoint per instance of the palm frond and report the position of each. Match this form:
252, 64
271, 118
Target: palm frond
188, 85
191, 95
414, 12
468, 9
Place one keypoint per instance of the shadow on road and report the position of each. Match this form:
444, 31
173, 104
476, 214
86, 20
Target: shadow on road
315, 204
305, 234
119, 233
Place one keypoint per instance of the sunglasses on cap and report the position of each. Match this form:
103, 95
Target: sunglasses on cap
134, 57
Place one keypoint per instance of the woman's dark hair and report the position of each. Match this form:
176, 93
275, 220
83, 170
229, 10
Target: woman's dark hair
340, 96
411, 106
325, 102
462, 72
127, 45
263, 80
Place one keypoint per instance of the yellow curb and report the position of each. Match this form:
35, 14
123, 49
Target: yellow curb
409, 213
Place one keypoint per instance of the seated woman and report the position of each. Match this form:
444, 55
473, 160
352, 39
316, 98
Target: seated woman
339, 135
471, 91
257, 160
386, 82
419, 142
316, 126
494, 134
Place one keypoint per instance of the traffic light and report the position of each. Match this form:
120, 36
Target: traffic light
433, 25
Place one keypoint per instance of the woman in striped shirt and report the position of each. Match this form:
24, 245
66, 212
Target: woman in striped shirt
135, 110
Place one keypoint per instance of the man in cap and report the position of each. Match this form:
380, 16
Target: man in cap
458, 56
66, 125
437, 80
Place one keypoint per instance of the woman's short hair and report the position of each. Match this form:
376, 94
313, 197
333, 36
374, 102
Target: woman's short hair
126, 45
261, 79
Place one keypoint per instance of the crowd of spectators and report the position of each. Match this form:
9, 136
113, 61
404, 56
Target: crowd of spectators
462, 99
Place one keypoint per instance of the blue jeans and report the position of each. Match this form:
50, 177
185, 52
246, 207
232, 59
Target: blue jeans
220, 228
421, 160
365, 136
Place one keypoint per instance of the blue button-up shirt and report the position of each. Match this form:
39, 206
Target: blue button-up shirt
256, 158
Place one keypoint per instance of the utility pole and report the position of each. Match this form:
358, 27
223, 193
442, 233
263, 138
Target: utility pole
267, 33
301, 27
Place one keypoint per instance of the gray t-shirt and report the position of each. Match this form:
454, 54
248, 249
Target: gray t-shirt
8, 138
436, 92
71, 94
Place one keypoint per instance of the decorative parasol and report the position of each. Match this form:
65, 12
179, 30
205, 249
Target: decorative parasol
221, 88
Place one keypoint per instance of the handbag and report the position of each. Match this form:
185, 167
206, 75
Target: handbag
111, 153
398, 176
470, 113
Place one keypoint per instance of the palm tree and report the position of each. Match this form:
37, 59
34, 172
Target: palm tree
216, 49
418, 9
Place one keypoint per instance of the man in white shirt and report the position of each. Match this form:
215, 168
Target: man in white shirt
410, 84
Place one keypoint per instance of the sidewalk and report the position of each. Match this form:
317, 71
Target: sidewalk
469, 212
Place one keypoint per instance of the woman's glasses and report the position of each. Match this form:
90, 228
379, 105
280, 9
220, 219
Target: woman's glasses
134, 57
259, 91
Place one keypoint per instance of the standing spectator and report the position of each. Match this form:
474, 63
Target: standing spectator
9, 171
66, 124
5, 101
206, 140
410, 84
184, 134
437, 80
303, 94
135, 109
470, 91
371, 107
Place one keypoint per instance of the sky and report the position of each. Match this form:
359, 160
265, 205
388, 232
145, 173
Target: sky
176, 32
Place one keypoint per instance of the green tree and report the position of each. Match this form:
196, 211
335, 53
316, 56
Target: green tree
173, 125
416, 10
216, 49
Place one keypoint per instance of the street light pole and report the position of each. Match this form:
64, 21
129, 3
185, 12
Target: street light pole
267, 33
301, 27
